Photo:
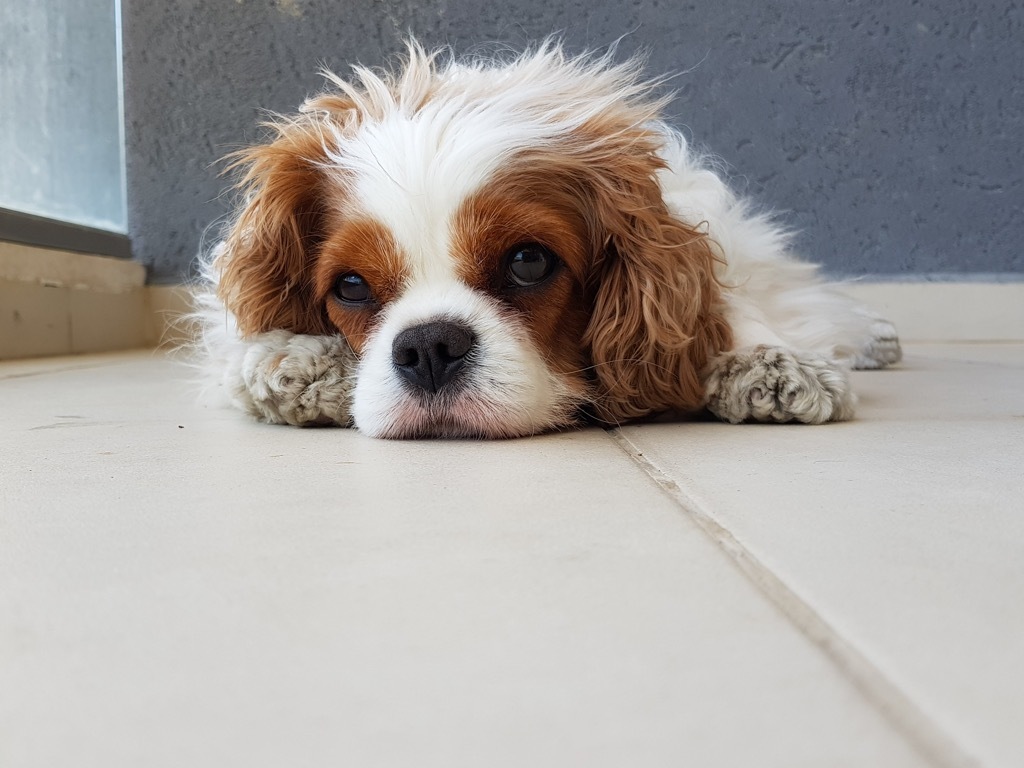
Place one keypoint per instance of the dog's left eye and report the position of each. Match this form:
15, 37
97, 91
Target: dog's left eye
530, 264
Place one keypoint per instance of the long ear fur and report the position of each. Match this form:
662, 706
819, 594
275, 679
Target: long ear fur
265, 265
657, 312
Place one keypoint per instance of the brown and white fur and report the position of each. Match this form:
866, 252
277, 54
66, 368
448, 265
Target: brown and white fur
374, 273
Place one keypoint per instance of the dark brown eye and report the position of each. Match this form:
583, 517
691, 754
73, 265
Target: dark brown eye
530, 264
352, 289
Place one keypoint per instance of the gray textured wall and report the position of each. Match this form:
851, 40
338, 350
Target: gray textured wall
890, 133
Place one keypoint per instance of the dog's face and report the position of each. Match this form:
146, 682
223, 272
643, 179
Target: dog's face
467, 313
491, 242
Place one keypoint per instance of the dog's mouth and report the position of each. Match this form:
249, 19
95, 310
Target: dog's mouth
466, 414
452, 416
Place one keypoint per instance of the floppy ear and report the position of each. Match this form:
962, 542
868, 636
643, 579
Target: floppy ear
657, 313
265, 264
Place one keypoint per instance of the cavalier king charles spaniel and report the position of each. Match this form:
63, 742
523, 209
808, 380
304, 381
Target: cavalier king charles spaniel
493, 249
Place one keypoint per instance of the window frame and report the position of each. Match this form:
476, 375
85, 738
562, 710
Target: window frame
42, 232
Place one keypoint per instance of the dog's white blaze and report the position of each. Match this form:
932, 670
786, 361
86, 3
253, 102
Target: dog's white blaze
412, 172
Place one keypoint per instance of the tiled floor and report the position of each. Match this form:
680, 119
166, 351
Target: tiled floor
182, 587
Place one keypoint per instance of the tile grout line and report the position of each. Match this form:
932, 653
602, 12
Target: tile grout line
896, 705
71, 366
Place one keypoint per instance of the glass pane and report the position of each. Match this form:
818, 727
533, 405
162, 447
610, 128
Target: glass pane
61, 148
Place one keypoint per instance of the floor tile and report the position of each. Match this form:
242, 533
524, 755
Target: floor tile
903, 530
181, 586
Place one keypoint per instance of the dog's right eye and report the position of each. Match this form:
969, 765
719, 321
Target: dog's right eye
352, 289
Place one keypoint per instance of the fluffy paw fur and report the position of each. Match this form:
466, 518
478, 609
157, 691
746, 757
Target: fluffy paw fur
882, 350
299, 380
773, 384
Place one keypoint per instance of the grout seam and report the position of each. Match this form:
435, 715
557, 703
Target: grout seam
84, 366
896, 705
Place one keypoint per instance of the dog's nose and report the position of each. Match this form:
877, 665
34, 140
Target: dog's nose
430, 356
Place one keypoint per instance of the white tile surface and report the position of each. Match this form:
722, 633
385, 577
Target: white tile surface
903, 530
947, 312
181, 587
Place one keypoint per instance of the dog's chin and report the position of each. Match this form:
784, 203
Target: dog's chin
464, 416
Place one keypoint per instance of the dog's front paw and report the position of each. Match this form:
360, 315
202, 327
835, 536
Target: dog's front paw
299, 380
777, 384
882, 349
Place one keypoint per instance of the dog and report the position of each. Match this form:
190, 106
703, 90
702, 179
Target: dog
496, 248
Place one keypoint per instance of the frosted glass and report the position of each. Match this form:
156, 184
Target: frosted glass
61, 147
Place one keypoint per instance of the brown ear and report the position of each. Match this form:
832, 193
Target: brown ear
657, 314
266, 262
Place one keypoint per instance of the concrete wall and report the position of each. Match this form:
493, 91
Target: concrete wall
889, 133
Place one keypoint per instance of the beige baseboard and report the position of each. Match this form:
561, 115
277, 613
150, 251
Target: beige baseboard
950, 312
167, 305
61, 303
42, 321
54, 303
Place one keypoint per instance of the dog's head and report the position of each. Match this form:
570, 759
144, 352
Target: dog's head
490, 239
